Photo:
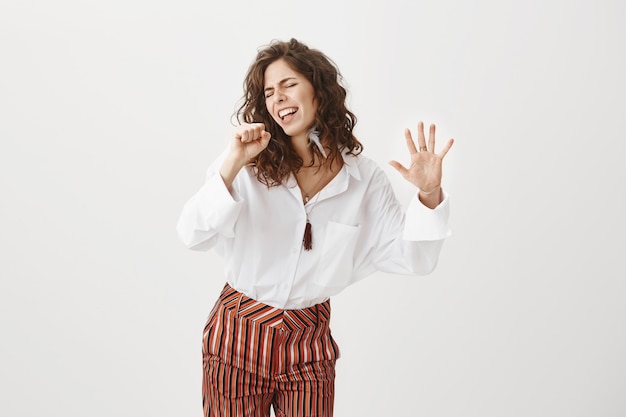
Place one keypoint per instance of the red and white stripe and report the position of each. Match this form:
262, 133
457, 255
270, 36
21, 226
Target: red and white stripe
256, 355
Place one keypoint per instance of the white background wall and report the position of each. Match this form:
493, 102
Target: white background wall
111, 111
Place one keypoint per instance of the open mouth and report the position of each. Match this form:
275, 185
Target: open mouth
286, 114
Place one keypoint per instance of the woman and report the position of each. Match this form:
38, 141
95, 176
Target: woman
299, 215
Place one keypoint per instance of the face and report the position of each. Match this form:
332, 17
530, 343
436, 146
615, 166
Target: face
290, 98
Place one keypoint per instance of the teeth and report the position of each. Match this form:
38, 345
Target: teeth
285, 112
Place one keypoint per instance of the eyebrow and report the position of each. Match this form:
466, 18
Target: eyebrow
283, 81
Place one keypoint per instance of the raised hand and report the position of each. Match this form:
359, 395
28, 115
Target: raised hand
425, 170
249, 139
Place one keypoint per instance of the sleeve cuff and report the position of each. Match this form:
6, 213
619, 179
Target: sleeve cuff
221, 205
422, 223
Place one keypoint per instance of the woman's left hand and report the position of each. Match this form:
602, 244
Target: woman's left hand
425, 169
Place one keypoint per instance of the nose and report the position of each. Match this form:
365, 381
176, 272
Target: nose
279, 95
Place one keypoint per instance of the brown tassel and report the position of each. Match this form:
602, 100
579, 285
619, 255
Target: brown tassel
308, 238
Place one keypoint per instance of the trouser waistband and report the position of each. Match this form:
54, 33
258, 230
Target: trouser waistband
267, 340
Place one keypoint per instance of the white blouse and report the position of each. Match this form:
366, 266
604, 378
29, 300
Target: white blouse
358, 227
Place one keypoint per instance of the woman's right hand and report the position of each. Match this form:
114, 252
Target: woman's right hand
249, 140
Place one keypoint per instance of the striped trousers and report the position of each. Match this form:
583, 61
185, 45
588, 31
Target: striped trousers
256, 356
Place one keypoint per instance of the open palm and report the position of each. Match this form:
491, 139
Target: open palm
425, 170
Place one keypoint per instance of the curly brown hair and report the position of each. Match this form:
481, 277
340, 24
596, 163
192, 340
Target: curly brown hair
333, 120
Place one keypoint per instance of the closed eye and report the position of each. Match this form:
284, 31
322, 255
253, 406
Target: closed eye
270, 90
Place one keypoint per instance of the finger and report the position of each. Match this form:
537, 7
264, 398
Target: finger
250, 135
431, 138
421, 140
400, 168
446, 148
256, 134
409, 141
238, 132
258, 125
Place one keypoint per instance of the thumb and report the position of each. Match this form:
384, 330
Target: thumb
399, 167
265, 138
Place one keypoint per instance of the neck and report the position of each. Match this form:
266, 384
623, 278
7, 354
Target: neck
300, 144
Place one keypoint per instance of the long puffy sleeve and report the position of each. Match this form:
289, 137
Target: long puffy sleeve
211, 213
409, 241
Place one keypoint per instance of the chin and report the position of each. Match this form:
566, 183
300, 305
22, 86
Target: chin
291, 132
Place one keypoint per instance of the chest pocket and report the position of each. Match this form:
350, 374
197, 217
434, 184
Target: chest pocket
334, 270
